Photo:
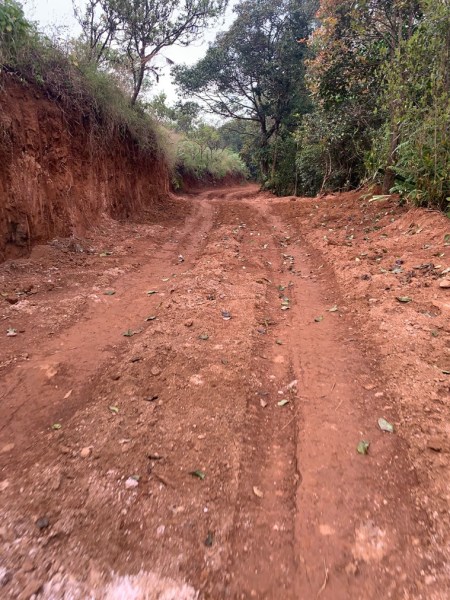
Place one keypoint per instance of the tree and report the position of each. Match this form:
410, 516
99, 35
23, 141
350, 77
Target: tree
255, 71
140, 29
100, 24
350, 47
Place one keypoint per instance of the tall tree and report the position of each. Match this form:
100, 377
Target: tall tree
140, 29
255, 70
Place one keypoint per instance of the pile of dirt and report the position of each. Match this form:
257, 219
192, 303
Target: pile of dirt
58, 177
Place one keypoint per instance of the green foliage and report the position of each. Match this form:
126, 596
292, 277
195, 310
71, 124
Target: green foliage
418, 87
130, 34
197, 149
254, 72
14, 28
207, 164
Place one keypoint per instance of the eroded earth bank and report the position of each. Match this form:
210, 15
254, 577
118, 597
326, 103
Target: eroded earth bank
211, 452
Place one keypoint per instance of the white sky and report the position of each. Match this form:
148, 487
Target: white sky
51, 14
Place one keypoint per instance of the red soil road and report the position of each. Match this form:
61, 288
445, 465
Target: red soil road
287, 508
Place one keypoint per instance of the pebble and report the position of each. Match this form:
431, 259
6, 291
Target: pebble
131, 483
85, 452
188, 323
445, 284
42, 523
7, 448
155, 371
434, 444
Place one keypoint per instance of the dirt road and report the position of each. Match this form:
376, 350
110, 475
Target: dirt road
211, 451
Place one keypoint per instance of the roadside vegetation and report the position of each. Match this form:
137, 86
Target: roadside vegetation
331, 95
101, 77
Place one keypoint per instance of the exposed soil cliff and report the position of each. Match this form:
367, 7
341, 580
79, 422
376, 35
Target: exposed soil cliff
57, 174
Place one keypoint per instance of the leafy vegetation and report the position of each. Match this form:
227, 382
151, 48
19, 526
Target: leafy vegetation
199, 151
335, 94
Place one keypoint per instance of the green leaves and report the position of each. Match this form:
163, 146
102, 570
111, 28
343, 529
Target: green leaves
363, 447
197, 473
385, 425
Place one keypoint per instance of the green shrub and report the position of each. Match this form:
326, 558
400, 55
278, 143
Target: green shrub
418, 94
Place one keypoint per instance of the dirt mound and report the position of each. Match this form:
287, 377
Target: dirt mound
58, 177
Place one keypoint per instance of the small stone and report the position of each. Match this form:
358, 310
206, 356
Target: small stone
115, 377
65, 450
188, 323
445, 284
131, 483
85, 452
379, 395
155, 371
434, 444
7, 448
161, 530
42, 523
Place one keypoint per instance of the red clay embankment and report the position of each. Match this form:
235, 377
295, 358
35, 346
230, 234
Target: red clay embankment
58, 175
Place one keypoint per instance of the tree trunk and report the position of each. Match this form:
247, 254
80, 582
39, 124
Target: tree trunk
138, 84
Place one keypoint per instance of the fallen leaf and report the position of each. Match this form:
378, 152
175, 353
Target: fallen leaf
151, 292
10, 332
151, 318
447, 239
114, 409
69, 393
109, 293
165, 279
318, 319
107, 253
446, 372
333, 309
263, 403
226, 315
203, 336
363, 447
198, 474
56, 426
279, 342
385, 425
258, 492
404, 299
129, 333
283, 402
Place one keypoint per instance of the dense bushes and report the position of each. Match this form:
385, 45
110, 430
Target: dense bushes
379, 81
